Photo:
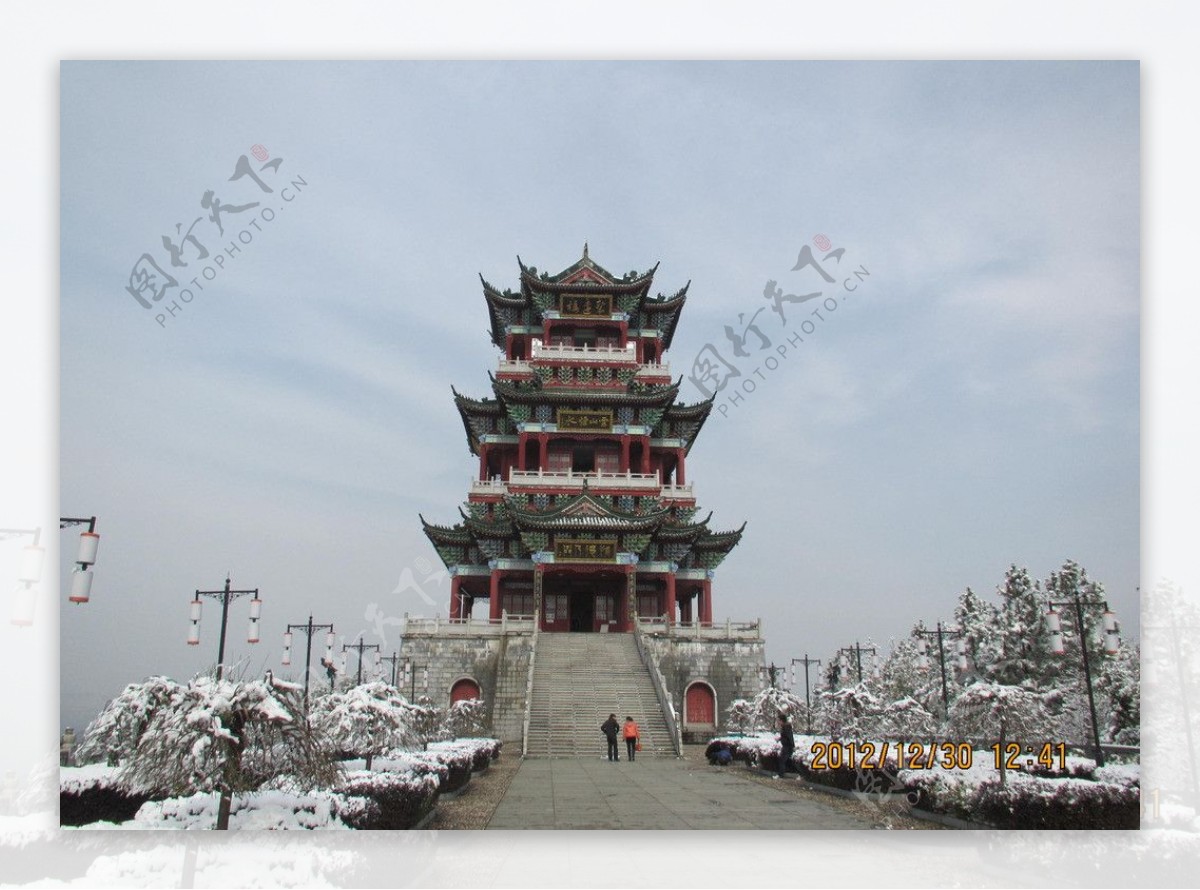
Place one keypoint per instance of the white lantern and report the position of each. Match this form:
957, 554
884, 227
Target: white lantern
962, 655
287, 640
89, 542
31, 564
1053, 622
252, 634
342, 662
81, 585
1112, 637
255, 609
194, 628
922, 646
287, 657
24, 601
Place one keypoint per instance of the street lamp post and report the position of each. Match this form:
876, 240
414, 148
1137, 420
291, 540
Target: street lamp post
858, 651
770, 673
226, 596
1111, 644
34, 557
940, 634
806, 661
410, 674
308, 629
394, 658
361, 647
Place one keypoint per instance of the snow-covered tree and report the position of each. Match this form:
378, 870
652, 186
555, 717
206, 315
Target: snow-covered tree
769, 705
366, 720
739, 716
225, 736
854, 712
976, 620
907, 718
428, 724
1120, 686
1003, 712
114, 735
466, 717
1023, 654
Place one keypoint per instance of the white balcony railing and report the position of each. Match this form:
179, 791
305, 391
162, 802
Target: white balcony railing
514, 366
727, 630
683, 492
570, 479
488, 486
660, 369
626, 354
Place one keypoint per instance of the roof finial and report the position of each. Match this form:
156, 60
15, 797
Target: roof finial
585, 255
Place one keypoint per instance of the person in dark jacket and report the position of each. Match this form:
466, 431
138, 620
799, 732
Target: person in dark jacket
610, 727
787, 744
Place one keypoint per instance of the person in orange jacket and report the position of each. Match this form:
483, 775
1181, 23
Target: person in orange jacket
630, 731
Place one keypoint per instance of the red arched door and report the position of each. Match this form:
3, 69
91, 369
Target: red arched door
464, 689
701, 704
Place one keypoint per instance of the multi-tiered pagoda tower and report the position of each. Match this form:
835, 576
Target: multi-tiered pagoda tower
582, 514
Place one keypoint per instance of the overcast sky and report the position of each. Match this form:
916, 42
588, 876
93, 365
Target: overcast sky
974, 403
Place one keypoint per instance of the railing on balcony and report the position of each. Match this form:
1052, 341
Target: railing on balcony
682, 492
598, 479
654, 369
438, 626
488, 486
726, 630
584, 353
514, 366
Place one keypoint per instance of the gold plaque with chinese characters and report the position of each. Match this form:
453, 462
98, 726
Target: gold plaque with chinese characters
585, 305
583, 421
579, 550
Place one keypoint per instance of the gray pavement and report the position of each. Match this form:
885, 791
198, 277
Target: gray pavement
653, 792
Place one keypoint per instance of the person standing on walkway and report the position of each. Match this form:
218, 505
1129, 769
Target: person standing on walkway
787, 744
609, 727
631, 737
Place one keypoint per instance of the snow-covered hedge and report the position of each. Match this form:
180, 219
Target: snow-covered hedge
386, 801
1079, 796
258, 810
93, 793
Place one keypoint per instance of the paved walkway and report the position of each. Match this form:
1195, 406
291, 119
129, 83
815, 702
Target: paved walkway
653, 792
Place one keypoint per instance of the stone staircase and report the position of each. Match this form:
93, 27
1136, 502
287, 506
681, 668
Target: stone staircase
581, 678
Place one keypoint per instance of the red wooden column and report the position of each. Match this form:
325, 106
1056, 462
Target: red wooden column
483, 455
625, 454
628, 605
543, 450
522, 439
494, 596
455, 600
679, 461
670, 603
706, 602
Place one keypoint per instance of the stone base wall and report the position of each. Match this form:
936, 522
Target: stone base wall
729, 666
497, 662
